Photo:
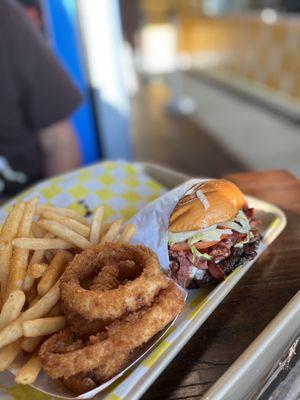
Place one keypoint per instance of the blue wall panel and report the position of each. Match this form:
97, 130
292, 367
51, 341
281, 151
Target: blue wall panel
64, 36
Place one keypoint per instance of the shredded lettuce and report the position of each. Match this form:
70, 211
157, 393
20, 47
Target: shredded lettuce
197, 253
213, 235
239, 224
243, 220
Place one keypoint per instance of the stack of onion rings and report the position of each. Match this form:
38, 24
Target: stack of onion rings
112, 304
102, 356
115, 298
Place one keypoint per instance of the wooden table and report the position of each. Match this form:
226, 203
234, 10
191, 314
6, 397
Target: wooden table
251, 305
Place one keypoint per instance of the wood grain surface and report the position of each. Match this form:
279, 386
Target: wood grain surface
251, 305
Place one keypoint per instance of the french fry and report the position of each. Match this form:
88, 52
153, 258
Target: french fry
104, 228
66, 212
65, 233
29, 372
6, 250
41, 244
8, 233
37, 231
14, 330
127, 233
12, 308
9, 353
43, 326
11, 332
29, 344
96, 225
19, 259
10, 227
18, 266
26, 221
43, 305
112, 232
37, 270
54, 271
37, 257
73, 224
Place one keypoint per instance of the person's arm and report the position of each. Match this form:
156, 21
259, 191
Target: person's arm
46, 93
60, 148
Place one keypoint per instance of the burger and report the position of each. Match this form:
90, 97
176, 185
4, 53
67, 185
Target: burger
211, 232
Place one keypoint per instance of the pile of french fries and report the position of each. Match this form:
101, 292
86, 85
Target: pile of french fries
36, 245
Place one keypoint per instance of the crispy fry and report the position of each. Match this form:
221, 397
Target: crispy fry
66, 212
12, 308
9, 353
65, 233
37, 231
18, 266
19, 260
29, 344
112, 232
43, 305
37, 257
43, 326
11, 332
76, 226
6, 250
127, 233
104, 228
14, 330
11, 225
54, 271
37, 270
8, 233
29, 372
96, 225
26, 221
41, 244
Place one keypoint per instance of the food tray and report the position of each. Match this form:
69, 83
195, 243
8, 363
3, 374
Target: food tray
201, 303
247, 375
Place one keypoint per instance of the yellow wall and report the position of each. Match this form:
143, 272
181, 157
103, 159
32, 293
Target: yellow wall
268, 54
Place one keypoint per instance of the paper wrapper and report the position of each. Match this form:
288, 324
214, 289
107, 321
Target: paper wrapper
152, 222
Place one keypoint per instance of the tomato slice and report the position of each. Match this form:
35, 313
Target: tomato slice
229, 235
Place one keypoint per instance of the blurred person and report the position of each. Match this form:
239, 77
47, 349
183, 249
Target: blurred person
34, 12
36, 99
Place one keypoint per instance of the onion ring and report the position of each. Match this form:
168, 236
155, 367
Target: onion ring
112, 304
107, 279
63, 356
